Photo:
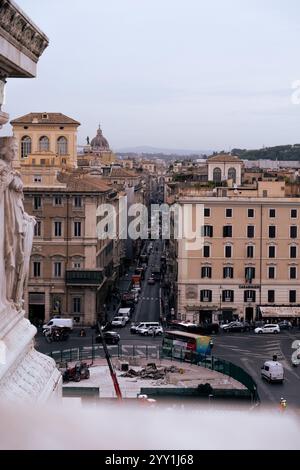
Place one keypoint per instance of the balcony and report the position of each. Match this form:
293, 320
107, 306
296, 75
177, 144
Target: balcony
84, 278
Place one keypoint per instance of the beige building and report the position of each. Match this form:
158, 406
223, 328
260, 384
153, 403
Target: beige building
250, 257
47, 135
224, 167
71, 269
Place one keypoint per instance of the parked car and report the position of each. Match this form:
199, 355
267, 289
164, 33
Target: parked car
110, 337
269, 328
272, 371
151, 280
285, 325
119, 322
236, 327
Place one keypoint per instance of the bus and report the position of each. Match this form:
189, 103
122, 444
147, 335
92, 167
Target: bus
182, 345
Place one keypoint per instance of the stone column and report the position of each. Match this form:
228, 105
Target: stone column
4, 117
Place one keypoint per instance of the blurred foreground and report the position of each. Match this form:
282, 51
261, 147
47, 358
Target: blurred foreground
138, 426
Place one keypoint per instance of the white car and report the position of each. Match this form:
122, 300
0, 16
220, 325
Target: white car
267, 329
119, 321
151, 331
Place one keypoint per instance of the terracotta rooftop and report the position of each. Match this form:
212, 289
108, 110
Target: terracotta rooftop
77, 181
223, 157
45, 118
122, 173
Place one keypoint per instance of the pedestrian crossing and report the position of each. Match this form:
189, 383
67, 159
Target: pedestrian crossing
264, 352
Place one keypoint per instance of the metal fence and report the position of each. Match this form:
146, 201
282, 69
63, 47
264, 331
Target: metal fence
157, 352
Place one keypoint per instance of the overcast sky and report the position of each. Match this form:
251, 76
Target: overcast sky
194, 74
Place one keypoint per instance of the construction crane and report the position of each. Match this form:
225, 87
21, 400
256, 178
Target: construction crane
110, 365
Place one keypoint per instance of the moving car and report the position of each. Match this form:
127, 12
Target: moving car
236, 327
135, 327
285, 325
110, 337
151, 331
269, 328
272, 371
151, 280
119, 321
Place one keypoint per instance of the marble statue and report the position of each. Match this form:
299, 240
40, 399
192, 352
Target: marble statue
16, 230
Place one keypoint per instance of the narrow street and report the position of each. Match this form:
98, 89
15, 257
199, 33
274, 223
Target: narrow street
148, 307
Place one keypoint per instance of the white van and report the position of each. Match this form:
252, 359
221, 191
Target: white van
59, 323
125, 313
272, 371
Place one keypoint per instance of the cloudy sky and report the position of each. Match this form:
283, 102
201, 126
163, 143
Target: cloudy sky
193, 74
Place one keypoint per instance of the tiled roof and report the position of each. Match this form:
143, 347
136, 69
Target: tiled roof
52, 118
77, 181
223, 157
122, 173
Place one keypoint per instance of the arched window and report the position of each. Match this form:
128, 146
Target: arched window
25, 146
217, 175
44, 144
62, 146
232, 174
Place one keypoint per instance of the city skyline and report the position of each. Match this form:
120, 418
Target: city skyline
170, 76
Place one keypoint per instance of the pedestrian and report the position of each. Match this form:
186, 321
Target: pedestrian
282, 404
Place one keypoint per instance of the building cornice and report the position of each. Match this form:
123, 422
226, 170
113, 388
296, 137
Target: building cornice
18, 29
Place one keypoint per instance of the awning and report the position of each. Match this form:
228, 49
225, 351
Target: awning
280, 312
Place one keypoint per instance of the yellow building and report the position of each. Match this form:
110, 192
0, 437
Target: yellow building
46, 139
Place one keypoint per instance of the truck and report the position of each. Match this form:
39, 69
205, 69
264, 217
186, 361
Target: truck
136, 280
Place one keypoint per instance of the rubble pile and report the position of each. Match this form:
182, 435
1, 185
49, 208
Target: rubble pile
151, 371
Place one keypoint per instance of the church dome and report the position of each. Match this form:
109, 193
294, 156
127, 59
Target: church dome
99, 142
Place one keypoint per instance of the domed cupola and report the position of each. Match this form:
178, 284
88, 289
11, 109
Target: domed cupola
99, 142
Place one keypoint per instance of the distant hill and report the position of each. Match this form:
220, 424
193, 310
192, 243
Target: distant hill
280, 152
156, 150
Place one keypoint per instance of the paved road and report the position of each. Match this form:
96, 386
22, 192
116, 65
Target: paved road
250, 351
148, 307
244, 349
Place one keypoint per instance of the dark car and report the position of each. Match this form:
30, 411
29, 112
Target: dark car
110, 337
151, 280
236, 327
285, 325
